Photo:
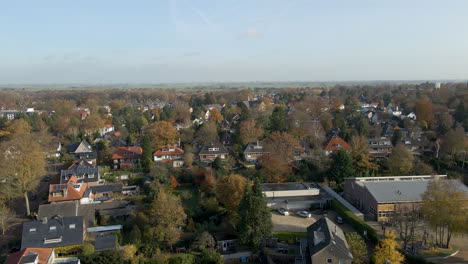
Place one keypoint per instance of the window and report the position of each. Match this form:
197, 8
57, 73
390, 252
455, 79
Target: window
72, 226
53, 240
32, 229
52, 228
213, 149
329, 260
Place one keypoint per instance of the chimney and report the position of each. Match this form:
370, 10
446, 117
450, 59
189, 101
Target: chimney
44, 220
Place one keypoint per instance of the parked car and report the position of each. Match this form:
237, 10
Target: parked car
339, 220
283, 211
304, 214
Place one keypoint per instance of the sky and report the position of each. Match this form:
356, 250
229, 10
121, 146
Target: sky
180, 41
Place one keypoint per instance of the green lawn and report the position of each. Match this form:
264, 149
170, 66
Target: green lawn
290, 237
438, 252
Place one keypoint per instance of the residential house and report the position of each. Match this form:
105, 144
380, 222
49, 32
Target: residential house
107, 129
213, 150
380, 147
127, 157
106, 192
9, 114
49, 211
336, 143
103, 237
72, 190
226, 139
226, 243
83, 150
255, 104
83, 174
379, 197
325, 243
54, 150
254, 151
172, 154
81, 164
53, 233
39, 256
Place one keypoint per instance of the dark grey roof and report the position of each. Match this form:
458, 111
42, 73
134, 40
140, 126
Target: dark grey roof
398, 191
80, 147
104, 241
328, 234
80, 164
213, 148
255, 148
38, 234
83, 174
63, 209
224, 236
106, 188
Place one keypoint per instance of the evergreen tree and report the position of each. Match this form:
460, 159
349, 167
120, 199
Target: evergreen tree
278, 119
461, 113
147, 160
396, 137
342, 167
255, 217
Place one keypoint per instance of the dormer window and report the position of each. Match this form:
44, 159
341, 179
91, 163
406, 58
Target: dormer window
52, 228
32, 229
337, 145
213, 149
72, 226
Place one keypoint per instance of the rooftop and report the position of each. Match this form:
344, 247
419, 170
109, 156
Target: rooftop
287, 186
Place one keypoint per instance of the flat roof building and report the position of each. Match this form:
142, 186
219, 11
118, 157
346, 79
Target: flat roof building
377, 197
291, 195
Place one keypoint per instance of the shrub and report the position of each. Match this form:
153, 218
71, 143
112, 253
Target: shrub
87, 249
355, 221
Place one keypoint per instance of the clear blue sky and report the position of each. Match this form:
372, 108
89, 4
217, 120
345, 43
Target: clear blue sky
154, 41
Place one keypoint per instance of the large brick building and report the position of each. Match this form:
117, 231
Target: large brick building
378, 197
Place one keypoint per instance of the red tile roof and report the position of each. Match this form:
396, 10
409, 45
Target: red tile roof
177, 151
337, 143
43, 254
128, 153
71, 192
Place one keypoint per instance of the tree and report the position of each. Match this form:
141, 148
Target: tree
215, 115
387, 250
204, 240
147, 159
87, 249
207, 132
250, 131
396, 137
93, 123
230, 190
424, 110
167, 216
406, 220
129, 251
163, 133
210, 256
6, 214
341, 168
443, 207
21, 166
255, 217
401, 161
358, 248
280, 147
461, 113
18, 127
278, 119
135, 235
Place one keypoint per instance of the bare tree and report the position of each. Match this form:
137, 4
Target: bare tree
406, 220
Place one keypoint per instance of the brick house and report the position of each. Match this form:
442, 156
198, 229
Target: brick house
213, 150
336, 143
172, 154
127, 157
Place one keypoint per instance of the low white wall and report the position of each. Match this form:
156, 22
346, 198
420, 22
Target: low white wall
292, 193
